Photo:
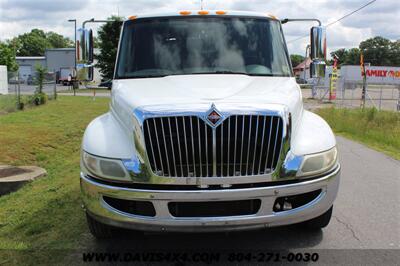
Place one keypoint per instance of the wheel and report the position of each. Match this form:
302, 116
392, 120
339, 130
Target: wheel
320, 221
99, 230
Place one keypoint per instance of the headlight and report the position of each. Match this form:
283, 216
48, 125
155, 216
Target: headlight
105, 168
314, 164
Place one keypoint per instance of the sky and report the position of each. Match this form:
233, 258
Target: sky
381, 18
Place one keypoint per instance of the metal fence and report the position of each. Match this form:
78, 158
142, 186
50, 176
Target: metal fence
349, 95
22, 89
30, 85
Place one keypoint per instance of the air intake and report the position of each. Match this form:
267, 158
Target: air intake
187, 146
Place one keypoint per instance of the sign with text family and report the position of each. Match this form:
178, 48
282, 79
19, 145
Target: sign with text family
374, 74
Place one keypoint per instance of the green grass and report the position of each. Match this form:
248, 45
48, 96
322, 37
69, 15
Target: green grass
8, 103
45, 214
378, 129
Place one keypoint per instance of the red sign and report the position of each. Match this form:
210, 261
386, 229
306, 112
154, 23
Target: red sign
382, 73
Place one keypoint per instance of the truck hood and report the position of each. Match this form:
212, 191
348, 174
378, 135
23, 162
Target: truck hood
129, 94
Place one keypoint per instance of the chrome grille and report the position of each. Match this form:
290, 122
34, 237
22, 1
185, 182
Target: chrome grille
186, 146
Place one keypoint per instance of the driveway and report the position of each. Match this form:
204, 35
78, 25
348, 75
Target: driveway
366, 216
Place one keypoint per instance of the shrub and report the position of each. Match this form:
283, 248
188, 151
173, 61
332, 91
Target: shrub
371, 114
39, 98
20, 106
41, 72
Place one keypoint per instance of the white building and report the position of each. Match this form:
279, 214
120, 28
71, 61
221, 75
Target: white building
3, 80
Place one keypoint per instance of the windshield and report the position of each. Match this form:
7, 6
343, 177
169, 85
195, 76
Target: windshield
195, 45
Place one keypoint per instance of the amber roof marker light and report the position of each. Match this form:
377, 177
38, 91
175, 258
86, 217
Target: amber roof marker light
185, 13
203, 12
132, 17
272, 16
220, 12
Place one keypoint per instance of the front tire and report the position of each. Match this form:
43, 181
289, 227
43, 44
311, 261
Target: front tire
99, 230
320, 221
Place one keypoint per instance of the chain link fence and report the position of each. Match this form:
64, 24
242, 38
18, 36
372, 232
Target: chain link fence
380, 96
349, 95
21, 91
30, 85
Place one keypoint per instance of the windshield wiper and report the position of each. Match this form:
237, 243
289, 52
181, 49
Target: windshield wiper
219, 72
142, 76
197, 73
232, 72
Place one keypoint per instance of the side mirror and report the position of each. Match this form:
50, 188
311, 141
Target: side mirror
318, 51
317, 69
84, 55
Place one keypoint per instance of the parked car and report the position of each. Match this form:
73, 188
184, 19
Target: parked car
301, 81
31, 80
16, 81
207, 131
106, 84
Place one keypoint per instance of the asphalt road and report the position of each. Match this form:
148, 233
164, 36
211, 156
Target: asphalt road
366, 217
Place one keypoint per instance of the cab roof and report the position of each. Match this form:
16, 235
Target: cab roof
205, 13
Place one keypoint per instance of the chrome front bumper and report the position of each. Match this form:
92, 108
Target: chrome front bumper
93, 193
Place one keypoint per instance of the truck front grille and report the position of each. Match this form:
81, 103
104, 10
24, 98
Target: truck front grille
186, 146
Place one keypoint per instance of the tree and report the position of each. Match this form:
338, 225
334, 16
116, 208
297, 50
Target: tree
395, 53
347, 57
96, 42
353, 57
39, 97
108, 36
33, 43
377, 51
7, 57
296, 59
40, 72
36, 42
58, 41
341, 55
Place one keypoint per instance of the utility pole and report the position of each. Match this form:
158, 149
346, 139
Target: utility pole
364, 76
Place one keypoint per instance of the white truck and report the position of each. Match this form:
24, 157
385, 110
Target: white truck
206, 129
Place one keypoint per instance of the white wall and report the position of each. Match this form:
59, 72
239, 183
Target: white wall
375, 74
3, 80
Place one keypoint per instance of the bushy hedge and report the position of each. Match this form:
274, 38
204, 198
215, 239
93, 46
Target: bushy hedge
39, 98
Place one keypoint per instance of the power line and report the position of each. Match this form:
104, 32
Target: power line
351, 13
345, 16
